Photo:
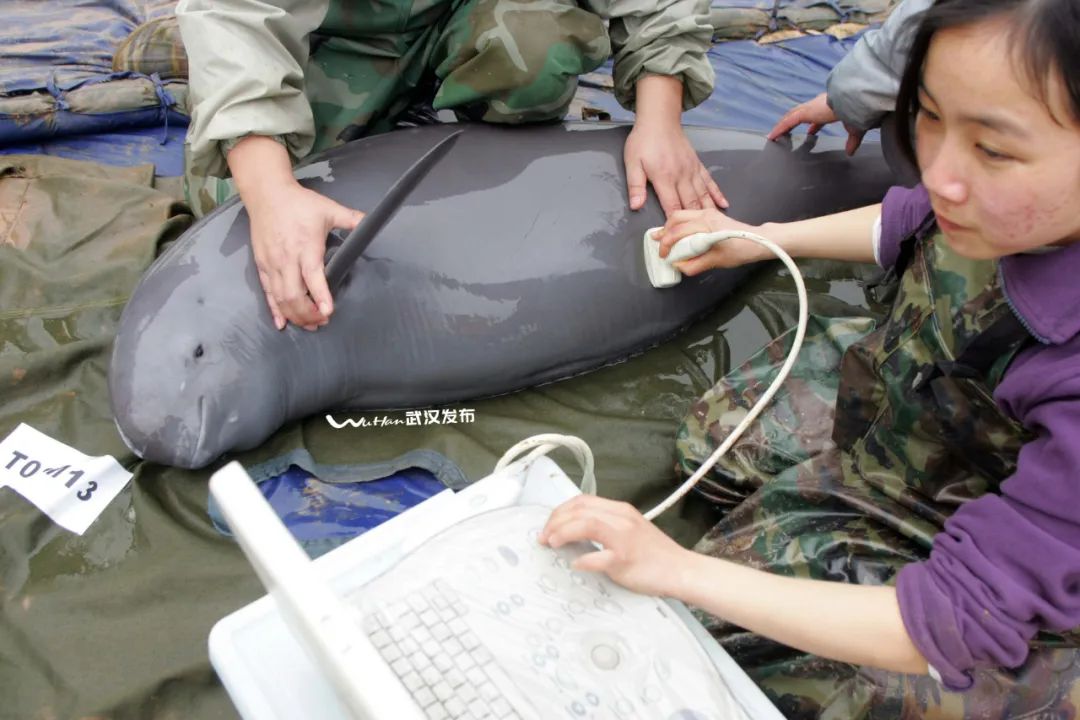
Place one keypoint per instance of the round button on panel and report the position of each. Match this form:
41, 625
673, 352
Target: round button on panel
605, 656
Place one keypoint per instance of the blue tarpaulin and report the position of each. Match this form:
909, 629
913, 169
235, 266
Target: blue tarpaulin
323, 515
156, 145
60, 95
756, 84
66, 42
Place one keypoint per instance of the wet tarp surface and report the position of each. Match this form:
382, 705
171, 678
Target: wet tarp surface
159, 146
320, 514
755, 84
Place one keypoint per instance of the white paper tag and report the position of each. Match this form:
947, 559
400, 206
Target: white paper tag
68, 486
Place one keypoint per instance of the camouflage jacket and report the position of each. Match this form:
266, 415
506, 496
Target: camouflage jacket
247, 60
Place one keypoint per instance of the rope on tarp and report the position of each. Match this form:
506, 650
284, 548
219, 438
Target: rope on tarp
92, 104
166, 102
53, 89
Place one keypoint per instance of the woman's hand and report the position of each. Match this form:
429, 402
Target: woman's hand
636, 554
852, 623
728, 254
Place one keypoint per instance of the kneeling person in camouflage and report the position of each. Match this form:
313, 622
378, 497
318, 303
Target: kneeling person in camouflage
275, 80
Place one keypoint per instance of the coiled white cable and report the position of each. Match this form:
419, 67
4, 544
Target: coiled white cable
543, 444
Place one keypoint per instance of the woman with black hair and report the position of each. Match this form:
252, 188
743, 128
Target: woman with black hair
904, 518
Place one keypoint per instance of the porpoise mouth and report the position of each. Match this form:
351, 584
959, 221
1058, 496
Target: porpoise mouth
176, 448
197, 459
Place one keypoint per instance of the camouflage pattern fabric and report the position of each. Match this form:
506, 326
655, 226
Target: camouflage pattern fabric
154, 48
492, 60
852, 494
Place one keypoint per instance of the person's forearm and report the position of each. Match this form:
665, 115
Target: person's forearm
841, 236
851, 623
246, 68
257, 164
659, 101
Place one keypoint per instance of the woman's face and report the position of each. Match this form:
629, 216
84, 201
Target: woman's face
1001, 164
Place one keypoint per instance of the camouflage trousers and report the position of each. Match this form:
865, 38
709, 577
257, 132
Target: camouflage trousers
499, 61
789, 509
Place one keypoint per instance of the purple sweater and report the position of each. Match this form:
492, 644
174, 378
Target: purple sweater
1008, 565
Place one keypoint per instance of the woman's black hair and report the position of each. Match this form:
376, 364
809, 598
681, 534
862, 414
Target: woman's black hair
1048, 32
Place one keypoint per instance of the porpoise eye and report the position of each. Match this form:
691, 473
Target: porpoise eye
198, 352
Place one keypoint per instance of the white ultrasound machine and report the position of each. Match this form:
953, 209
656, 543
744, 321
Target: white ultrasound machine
453, 610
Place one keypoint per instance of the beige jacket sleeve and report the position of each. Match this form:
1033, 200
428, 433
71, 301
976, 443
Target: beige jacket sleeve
659, 37
246, 62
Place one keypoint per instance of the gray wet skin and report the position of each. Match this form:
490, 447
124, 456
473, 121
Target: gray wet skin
514, 262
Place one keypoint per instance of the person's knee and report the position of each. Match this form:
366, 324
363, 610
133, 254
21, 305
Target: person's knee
526, 58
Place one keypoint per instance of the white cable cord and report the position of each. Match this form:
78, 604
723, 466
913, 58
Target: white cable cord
781, 375
543, 444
